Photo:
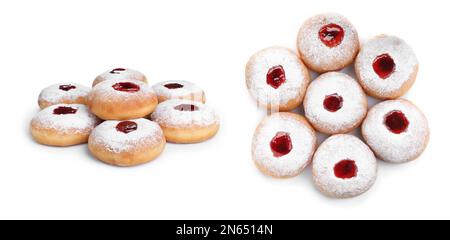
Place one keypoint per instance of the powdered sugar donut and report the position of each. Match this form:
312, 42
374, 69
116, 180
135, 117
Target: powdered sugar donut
127, 143
277, 79
328, 42
396, 130
122, 100
63, 125
185, 121
283, 145
344, 167
386, 67
179, 90
335, 103
63, 93
121, 74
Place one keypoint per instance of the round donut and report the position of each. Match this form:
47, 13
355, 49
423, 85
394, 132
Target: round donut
179, 90
283, 145
396, 130
386, 67
121, 74
185, 121
63, 125
277, 79
328, 42
335, 103
127, 143
122, 100
63, 93
344, 167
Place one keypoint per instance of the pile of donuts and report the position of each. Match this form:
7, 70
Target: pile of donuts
125, 121
335, 104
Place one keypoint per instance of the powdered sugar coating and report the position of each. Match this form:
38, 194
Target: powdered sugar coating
405, 71
334, 150
188, 91
297, 77
391, 147
166, 115
127, 74
82, 122
316, 54
347, 118
105, 92
54, 95
147, 135
303, 141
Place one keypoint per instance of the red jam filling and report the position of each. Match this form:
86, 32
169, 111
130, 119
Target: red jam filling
126, 87
127, 127
187, 108
276, 76
117, 70
396, 122
331, 35
64, 110
384, 66
333, 102
67, 87
346, 169
281, 144
173, 86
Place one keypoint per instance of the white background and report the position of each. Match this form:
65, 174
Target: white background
207, 42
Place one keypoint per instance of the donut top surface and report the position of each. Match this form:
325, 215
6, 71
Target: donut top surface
177, 89
66, 118
113, 90
120, 74
335, 100
276, 75
283, 144
123, 136
397, 130
179, 113
385, 63
324, 38
65, 91
344, 166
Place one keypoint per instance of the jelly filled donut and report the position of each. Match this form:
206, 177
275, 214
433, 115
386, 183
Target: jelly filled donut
120, 74
344, 167
121, 100
63, 93
335, 103
328, 42
283, 145
179, 90
396, 130
127, 143
277, 79
63, 125
185, 121
386, 67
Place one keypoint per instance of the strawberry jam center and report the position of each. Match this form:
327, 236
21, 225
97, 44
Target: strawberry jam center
276, 76
281, 144
117, 70
126, 87
64, 110
396, 122
346, 169
67, 87
173, 86
127, 127
333, 102
186, 108
384, 66
331, 35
